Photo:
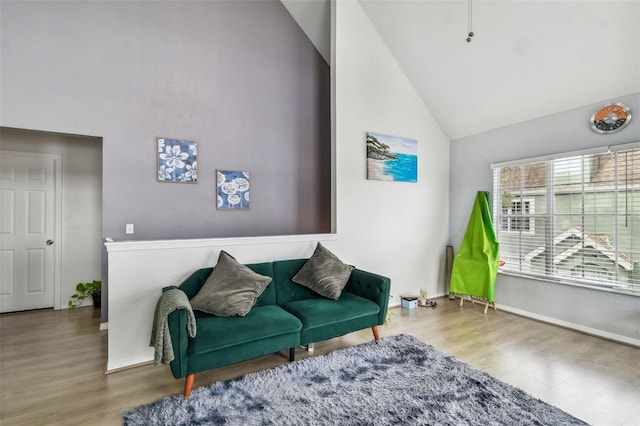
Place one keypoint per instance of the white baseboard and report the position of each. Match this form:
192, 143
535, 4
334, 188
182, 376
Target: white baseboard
578, 327
104, 326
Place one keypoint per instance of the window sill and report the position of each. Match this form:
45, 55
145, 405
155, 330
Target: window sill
627, 292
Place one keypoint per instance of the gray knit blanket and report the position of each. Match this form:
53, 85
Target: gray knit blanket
170, 301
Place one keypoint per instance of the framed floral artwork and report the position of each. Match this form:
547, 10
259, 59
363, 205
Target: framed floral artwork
177, 161
233, 190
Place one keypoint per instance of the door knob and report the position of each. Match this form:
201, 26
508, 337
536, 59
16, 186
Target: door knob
49, 242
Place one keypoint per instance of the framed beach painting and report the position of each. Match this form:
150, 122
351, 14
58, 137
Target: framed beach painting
177, 161
233, 190
391, 158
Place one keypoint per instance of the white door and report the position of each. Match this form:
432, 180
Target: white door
27, 221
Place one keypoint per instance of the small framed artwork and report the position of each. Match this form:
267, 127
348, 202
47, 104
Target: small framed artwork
233, 190
177, 161
392, 158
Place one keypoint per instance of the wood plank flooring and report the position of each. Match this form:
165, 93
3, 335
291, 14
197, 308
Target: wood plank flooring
52, 363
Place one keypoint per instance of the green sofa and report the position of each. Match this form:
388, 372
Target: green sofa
285, 316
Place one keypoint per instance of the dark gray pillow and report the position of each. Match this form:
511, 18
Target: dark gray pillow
231, 290
324, 273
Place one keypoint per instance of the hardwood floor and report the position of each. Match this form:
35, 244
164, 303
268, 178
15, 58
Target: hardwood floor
52, 362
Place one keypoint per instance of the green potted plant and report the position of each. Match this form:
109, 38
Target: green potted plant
84, 290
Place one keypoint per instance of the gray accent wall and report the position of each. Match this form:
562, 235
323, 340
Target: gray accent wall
611, 313
239, 77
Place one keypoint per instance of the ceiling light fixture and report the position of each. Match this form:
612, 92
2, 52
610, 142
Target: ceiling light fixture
470, 21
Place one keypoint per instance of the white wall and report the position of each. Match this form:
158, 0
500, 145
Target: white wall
81, 201
395, 229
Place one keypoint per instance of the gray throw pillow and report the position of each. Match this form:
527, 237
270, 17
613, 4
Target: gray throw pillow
231, 290
324, 273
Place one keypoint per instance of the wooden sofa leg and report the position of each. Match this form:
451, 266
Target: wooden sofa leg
376, 333
292, 354
188, 385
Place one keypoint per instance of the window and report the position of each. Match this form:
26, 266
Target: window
573, 218
516, 215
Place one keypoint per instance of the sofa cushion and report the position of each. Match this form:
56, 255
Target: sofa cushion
231, 290
324, 273
324, 319
320, 312
262, 322
192, 285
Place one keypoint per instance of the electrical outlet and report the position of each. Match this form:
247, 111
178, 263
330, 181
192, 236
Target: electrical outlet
129, 228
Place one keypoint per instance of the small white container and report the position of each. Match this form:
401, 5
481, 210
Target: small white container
410, 303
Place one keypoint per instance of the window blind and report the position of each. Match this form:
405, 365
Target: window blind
572, 218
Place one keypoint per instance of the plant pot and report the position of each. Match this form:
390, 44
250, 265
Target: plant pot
97, 299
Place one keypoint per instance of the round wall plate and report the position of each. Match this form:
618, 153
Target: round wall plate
611, 118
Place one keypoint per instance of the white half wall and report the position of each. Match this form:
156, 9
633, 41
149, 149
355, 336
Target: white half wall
138, 270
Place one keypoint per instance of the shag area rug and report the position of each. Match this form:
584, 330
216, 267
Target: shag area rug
400, 380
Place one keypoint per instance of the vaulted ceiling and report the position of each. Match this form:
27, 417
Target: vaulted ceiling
527, 58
